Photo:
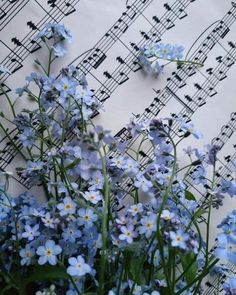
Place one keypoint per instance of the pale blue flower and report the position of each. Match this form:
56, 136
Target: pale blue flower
128, 233
87, 217
179, 239
27, 137
177, 52
92, 196
189, 127
226, 248
26, 254
135, 209
71, 233
67, 206
230, 286
78, 267
148, 225
142, 183
48, 253
31, 232
164, 51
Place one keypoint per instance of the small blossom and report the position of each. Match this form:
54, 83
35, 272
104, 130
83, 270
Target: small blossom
128, 233
167, 215
148, 226
86, 217
179, 239
49, 221
26, 254
226, 248
31, 232
67, 207
190, 128
92, 196
143, 183
48, 253
135, 209
78, 267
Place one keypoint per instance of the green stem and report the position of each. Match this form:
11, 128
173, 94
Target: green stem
9, 101
105, 221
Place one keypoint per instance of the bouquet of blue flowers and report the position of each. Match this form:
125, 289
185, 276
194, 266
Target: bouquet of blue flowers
108, 224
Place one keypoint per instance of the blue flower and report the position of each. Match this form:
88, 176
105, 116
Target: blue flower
6, 204
26, 254
67, 207
177, 52
28, 137
148, 225
228, 187
230, 286
86, 217
92, 196
199, 175
226, 248
189, 127
66, 86
71, 233
85, 96
179, 239
78, 267
59, 50
135, 209
155, 258
31, 232
150, 49
55, 30
97, 181
142, 182
128, 233
164, 51
48, 253
156, 68
49, 221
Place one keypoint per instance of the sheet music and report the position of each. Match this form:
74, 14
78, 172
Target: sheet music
107, 37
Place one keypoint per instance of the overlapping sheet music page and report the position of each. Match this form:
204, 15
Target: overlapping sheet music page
107, 35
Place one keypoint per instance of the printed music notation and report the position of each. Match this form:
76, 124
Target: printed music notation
23, 47
97, 54
111, 64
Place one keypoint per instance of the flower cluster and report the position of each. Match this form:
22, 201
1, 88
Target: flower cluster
59, 34
151, 55
108, 224
226, 244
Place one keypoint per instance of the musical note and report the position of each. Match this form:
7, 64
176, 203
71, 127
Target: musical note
70, 8
98, 58
3, 13
5, 89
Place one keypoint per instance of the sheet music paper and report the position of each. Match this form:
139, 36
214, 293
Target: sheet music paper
107, 35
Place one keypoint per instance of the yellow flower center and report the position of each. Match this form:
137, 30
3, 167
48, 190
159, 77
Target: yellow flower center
49, 252
68, 206
148, 225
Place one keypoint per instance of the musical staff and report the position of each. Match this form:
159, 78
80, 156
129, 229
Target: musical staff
180, 77
9, 10
96, 56
28, 44
129, 63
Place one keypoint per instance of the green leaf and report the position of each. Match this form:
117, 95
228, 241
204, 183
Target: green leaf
191, 272
189, 196
200, 212
44, 273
